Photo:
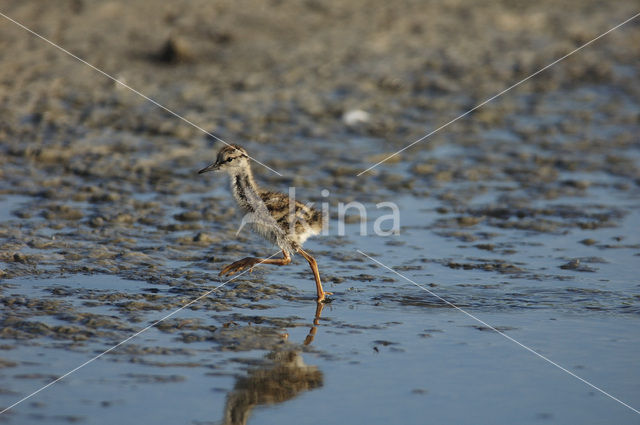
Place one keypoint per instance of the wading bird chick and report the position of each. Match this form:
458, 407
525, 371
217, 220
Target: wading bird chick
271, 214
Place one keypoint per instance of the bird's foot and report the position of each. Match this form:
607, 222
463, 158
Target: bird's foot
322, 297
239, 265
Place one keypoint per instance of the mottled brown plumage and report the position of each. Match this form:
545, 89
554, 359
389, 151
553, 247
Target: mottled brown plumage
272, 215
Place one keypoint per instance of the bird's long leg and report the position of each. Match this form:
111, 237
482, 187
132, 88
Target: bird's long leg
249, 262
316, 274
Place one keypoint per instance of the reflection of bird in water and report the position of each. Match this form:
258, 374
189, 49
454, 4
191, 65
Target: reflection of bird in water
271, 214
277, 383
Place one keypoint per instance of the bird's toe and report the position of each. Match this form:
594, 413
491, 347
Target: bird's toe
231, 269
238, 266
323, 297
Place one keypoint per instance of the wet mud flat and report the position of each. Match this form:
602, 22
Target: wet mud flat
525, 213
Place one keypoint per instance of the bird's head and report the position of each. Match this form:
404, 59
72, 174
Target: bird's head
230, 158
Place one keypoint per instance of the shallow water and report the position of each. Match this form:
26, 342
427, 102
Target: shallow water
409, 352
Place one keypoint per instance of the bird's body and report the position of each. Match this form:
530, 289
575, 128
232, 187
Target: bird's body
270, 213
274, 216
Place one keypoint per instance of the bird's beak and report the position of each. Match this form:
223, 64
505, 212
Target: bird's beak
212, 167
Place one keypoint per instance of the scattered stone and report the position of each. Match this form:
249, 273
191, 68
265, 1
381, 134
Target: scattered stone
205, 238
588, 241
486, 246
19, 257
467, 221
355, 117
576, 265
175, 50
571, 265
188, 216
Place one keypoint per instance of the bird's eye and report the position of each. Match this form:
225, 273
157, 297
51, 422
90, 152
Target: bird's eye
228, 160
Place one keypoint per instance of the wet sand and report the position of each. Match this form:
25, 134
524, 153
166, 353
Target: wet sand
525, 213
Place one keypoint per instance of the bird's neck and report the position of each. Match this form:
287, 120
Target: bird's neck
245, 190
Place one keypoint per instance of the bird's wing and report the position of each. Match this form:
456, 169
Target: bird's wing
278, 206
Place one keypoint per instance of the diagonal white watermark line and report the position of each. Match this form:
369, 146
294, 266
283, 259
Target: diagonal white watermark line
91, 360
498, 95
501, 333
175, 114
